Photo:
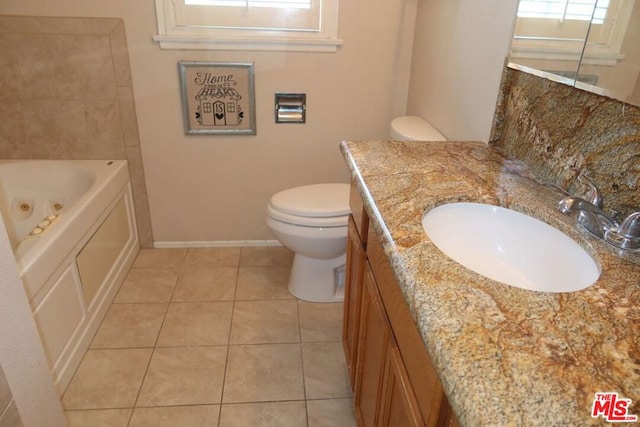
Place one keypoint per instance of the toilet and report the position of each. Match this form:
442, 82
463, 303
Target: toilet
413, 128
312, 220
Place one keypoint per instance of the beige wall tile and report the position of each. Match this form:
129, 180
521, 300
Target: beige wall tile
12, 132
5, 392
128, 116
140, 200
120, 55
41, 24
11, 417
105, 129
83, 67
55, 129
26, 67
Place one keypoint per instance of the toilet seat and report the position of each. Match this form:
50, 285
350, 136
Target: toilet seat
318, 205
306, 221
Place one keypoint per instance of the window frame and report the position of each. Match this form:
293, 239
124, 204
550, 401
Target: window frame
606, 51
173, 34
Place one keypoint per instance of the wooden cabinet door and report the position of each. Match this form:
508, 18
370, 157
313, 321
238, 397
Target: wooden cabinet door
373, 341
356, 259
398, 404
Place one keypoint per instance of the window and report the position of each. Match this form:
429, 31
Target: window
556, 29
580, 10
293, 25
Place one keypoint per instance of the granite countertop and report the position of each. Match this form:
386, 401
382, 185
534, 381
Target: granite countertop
505, 356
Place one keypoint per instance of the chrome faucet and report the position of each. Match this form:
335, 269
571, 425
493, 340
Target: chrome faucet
591, 216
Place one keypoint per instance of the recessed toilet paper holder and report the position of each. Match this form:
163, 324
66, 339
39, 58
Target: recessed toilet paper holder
291, 107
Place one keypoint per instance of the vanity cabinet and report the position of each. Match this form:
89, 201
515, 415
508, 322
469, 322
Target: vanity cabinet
393, 379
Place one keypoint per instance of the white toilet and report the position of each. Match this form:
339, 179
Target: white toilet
312, 221
413, 128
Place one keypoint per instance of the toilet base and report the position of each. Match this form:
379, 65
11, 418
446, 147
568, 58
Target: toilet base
313, 279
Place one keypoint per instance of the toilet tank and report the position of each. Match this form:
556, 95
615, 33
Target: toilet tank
413, 128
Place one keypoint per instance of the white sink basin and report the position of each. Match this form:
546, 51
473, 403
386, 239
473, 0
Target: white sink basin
510, 247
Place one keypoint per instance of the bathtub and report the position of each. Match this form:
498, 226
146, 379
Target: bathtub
72, 229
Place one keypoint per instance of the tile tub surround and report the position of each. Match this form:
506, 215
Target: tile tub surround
558, 130
66, 93
506, 356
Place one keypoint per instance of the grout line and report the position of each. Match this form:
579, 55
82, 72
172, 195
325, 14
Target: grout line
226, 361
155, 345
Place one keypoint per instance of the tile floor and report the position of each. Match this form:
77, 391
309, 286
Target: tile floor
211, 337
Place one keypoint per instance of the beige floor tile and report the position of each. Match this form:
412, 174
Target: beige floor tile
176, 416
320, 321
206, 284
331, 413
130, 325
211, 257
196, 323
184, 376
266, 256
164, 259
263, 322
147, 285
268, 414
99, 418
325, 370
258, 283
107, 379
259, 373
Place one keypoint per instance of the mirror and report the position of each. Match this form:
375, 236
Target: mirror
591, 44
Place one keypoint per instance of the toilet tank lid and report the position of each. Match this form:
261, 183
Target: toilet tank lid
317, 200
414, 128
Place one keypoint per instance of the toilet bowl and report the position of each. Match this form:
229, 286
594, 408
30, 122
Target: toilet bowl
312, 221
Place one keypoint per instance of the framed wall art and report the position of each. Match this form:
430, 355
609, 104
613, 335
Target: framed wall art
217, 97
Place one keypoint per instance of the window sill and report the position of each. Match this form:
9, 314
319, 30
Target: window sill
297, 44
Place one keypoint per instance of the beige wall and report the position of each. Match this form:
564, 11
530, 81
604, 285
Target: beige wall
212, 188
459, 51
21, 355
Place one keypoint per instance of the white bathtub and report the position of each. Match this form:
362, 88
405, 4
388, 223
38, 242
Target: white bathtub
86, 240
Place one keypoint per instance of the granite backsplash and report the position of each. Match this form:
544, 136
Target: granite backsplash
559, 130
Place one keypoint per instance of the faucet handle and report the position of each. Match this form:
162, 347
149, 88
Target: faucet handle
594, 196
630, 227
627, 235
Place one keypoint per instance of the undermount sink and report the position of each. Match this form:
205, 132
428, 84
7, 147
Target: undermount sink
510, 247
